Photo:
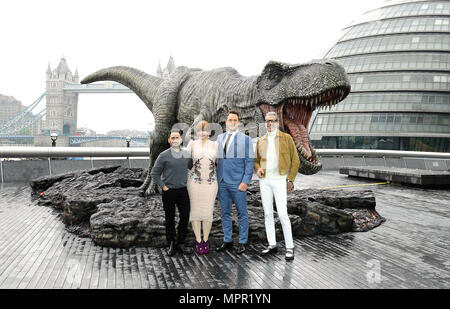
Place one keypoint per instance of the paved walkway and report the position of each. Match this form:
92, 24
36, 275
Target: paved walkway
410, 250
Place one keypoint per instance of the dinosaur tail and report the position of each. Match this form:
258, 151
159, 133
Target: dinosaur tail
144, 85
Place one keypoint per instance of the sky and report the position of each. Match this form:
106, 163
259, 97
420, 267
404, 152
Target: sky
95, 34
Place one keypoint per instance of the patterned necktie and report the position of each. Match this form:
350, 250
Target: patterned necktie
226, 144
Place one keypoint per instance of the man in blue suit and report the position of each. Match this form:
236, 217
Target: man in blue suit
234, 174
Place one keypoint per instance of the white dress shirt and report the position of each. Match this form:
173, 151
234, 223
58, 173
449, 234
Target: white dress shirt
272, 171
233, 134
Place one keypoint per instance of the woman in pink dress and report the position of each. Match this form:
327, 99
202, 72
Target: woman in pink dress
202, 185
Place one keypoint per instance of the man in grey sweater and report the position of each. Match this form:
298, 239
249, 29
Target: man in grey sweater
170, 173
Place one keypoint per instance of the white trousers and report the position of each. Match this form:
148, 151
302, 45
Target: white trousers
271, 188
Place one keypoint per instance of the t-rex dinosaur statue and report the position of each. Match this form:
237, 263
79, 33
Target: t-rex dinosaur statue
191, 95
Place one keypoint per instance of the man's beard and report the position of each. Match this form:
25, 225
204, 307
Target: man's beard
175, 145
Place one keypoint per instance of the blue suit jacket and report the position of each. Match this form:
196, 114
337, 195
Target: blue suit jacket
237, 165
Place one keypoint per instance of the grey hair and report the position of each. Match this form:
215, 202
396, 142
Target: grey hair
272, 114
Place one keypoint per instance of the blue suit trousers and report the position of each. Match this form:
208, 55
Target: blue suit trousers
229, 193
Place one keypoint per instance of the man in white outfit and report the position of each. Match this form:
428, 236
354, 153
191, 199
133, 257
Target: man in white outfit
276, 164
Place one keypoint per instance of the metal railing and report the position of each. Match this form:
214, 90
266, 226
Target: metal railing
85, 153
331, 159
383, 153
64, 152
336, 158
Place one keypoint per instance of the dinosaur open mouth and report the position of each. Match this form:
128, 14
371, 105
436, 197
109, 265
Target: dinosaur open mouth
294, 115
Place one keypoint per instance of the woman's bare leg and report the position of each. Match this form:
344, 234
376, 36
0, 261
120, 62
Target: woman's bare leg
196, 226
206, 229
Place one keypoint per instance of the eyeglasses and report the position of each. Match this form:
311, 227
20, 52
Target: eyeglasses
271, 121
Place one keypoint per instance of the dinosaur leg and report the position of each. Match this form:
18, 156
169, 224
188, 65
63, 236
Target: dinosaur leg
165, 114
148, 180
158, 143
153, 188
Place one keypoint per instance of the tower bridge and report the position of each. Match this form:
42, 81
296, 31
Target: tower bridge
107, 87
61, 110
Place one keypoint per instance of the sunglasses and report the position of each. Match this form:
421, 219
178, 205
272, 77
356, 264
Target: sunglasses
272, 121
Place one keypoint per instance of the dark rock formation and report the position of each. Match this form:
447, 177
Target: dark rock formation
105, 204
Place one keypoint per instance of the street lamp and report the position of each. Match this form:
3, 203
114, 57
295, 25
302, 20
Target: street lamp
128, 139
54, 137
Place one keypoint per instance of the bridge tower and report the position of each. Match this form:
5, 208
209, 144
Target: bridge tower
61, 106
169, 69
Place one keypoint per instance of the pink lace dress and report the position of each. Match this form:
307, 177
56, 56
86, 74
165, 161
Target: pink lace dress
202, 180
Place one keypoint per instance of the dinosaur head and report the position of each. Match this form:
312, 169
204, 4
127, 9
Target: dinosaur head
294, 92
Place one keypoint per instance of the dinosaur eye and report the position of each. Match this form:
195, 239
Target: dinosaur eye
271, 77
275, 76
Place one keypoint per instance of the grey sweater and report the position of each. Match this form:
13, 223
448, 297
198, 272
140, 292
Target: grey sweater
171, 168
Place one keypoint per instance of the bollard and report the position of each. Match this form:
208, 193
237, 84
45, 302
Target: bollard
1, 169
50, 166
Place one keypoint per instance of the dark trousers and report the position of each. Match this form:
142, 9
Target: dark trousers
180, 199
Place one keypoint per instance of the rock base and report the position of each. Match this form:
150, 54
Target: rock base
105, 204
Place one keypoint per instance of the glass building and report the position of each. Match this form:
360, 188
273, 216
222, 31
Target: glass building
398, 61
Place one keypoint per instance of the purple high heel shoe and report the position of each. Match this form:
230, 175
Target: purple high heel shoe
199, 247
206, 246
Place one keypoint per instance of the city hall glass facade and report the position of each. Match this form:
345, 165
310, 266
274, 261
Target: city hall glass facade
398, 61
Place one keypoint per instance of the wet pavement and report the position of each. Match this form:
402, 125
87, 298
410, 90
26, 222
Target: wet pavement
410, 250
